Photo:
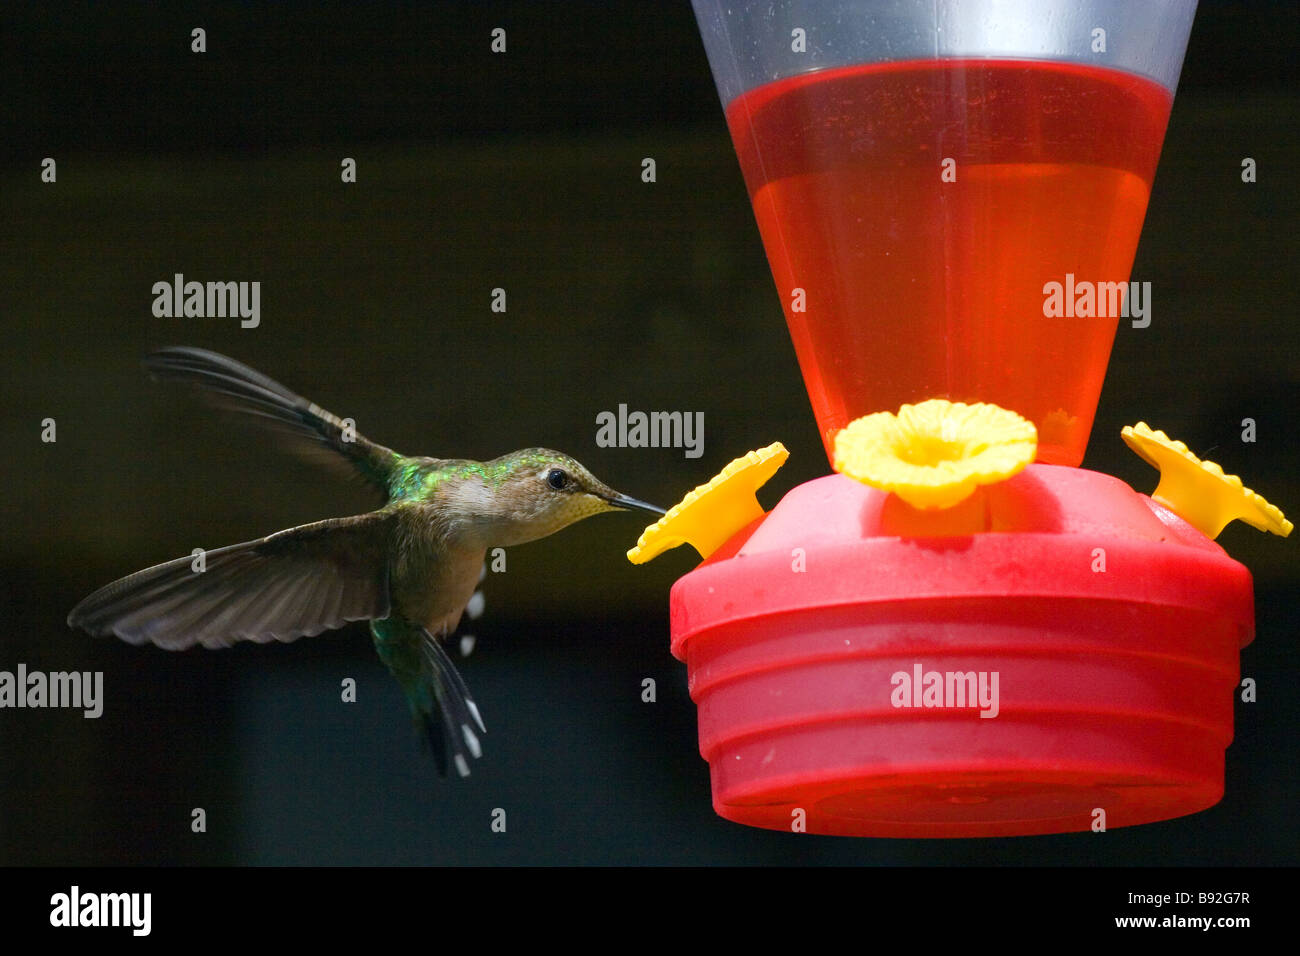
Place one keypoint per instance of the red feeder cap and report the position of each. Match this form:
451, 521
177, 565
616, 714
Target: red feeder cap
1054, 651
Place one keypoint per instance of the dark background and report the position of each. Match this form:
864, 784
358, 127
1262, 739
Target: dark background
522, 170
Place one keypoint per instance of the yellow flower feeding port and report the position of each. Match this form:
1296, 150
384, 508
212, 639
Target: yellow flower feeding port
935, 454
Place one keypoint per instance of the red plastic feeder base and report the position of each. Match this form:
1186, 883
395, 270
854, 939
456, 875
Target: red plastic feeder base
1056, 652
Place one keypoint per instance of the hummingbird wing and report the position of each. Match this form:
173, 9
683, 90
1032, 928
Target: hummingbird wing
291, 584
234, 386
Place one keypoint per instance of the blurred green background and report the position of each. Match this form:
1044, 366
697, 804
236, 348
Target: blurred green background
520, 171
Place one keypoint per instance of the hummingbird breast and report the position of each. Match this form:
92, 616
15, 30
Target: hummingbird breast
432, 575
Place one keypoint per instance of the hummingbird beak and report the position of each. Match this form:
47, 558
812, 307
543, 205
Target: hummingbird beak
623, 501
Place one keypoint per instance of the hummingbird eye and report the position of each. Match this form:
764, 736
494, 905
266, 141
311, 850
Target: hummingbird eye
557, 478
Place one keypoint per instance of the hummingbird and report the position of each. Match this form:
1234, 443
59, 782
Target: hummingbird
409, 568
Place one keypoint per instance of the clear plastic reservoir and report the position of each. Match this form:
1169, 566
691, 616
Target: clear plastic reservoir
950, 192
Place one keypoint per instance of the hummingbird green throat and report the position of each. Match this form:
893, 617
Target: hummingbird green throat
409, 568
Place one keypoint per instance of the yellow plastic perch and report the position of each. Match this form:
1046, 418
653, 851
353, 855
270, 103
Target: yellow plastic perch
708, 516
1198, 491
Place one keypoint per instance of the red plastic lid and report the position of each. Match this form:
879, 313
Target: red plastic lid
842, 649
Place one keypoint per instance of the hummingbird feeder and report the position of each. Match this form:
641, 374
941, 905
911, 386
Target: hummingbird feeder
960, 632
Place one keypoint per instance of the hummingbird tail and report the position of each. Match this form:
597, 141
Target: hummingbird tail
440, 702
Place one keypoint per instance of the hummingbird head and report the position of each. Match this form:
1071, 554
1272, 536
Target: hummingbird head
536, 492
